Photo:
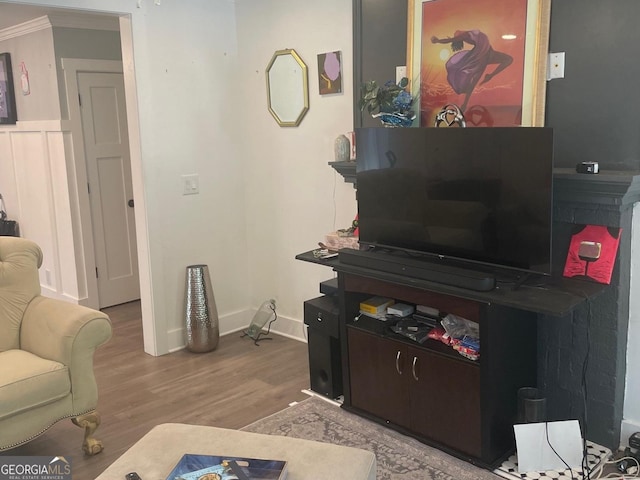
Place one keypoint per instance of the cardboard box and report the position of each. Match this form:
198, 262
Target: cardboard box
376, 305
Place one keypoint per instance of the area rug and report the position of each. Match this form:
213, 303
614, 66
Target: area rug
398, 457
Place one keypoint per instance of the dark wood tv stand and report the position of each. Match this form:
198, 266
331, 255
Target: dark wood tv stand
429, 391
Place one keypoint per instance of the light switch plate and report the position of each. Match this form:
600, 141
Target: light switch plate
190, 184
401, 72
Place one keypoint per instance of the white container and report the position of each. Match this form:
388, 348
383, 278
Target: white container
342, 148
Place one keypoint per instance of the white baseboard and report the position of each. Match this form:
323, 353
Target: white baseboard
290, 328
237, 321
629, 427
50, 293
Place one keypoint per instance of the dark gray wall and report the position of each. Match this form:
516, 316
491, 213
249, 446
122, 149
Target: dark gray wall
582, 356
594, 109
380, 38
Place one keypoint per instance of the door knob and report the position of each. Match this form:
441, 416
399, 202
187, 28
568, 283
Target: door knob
130, 203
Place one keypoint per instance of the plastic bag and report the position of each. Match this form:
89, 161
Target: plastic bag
458, 327
464, 335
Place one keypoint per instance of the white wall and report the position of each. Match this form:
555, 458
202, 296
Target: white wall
184, 59
267, 192
631, 413
35, 49
293, 197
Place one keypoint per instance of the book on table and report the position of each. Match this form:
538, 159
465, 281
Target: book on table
214, 467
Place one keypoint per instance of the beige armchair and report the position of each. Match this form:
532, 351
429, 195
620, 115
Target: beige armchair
46, 353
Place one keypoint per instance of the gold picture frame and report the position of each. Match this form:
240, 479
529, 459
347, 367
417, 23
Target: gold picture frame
528, 67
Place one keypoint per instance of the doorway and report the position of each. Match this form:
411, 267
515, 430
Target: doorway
14, 13
108, 163
101, 148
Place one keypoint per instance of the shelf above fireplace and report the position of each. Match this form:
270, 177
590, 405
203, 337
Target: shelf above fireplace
347, 170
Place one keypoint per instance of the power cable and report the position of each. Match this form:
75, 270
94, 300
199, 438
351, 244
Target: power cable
585, 364
546, 430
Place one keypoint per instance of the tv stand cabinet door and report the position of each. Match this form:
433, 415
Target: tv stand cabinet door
379, 371
445, 400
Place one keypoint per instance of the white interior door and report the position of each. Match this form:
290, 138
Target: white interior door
104, 126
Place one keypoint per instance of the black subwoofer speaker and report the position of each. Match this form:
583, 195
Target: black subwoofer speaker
325, 367
325, 361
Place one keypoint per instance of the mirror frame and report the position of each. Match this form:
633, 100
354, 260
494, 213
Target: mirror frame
305, 87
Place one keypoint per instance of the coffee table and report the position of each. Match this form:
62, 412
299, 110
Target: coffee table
154, 455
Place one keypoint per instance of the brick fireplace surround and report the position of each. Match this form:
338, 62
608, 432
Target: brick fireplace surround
599, 326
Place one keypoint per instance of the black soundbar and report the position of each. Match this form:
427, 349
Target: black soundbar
418, 268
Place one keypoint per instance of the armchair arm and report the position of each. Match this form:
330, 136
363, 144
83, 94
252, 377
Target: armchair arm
69, 334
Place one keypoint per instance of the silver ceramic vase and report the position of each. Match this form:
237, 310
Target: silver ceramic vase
203, 330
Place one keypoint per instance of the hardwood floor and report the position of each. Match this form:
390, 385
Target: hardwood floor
230, 387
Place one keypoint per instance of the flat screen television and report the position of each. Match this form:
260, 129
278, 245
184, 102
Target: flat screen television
480, 195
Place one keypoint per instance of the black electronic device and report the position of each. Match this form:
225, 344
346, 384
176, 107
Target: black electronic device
419, 268
483, 195
321, 314
631, 454
587, 167
329, 287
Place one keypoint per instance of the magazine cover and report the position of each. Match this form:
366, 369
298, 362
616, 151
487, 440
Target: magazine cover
592, 253
212, 467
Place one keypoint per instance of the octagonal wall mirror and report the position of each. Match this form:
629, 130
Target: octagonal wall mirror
287, 88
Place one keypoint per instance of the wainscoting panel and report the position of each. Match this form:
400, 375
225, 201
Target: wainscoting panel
37, 155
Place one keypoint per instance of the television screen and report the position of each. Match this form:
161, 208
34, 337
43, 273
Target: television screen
476, 194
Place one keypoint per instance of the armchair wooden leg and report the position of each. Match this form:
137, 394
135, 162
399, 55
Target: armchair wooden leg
90, 422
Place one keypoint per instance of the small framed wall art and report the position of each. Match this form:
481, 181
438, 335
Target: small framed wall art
330, 72
7, 95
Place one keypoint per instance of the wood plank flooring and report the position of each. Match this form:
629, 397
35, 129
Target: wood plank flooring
236, 384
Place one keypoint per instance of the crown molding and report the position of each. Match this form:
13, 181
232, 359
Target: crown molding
89, 22
40, 23
66, 20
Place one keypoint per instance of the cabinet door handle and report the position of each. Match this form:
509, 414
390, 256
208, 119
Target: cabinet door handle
398, 363
413, 368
